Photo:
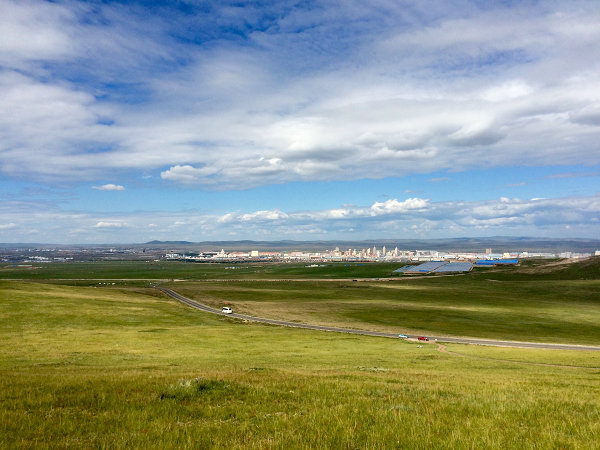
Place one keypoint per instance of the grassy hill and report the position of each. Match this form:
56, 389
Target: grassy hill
108, 367
548, 301
88, 364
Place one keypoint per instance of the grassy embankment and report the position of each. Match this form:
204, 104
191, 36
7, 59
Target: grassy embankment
107, 367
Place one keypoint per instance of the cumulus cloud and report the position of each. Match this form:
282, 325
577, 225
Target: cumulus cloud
187, 174
257, 216
394, 218
109, 187
263, 215
395, 207
103, 224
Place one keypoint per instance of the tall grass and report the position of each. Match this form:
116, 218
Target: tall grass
86, 367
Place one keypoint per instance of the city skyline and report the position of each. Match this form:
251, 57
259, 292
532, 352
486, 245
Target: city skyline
124, 122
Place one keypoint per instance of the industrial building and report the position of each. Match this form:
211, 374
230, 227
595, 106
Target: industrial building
496, 262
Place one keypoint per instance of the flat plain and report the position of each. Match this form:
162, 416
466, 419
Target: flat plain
89, 364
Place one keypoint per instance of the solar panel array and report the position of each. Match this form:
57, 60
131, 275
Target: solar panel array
437, 267
454, 267
425, 267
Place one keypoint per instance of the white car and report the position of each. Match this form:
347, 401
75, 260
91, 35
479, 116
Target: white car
226, 310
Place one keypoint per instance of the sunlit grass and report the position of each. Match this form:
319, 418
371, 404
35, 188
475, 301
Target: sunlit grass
544, 311
91, 367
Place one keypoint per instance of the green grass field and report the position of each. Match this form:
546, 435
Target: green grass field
164, 270
168, 270
124, 366
544, 311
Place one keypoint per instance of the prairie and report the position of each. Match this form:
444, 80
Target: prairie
84, 366
565, 311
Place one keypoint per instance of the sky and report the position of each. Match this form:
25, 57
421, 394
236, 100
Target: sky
125, 122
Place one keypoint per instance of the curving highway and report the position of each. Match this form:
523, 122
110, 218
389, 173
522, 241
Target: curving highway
456, 340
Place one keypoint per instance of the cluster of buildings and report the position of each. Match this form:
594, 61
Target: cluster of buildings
382, 254
190, 252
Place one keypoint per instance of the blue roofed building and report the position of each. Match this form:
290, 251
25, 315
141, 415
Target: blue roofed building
496, 262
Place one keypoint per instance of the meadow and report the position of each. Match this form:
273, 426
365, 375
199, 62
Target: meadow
125, 366
165, 270
565, 311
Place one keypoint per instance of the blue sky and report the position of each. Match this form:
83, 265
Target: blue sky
133, 121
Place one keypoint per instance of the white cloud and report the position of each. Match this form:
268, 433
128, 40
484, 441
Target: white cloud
103, 224
109, 187
187, 174
8, 226
257, 216
507, 91
394, 206
263, 215
338, 213
34, 31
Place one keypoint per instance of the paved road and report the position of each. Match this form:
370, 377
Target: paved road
495, 343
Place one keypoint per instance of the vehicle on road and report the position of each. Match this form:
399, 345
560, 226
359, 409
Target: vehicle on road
226, 310
422, 338
403, 336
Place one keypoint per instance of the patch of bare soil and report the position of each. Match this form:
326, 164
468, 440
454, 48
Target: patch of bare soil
551, 266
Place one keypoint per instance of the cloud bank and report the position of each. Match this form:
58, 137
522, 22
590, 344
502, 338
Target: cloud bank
232, 96
413, 217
